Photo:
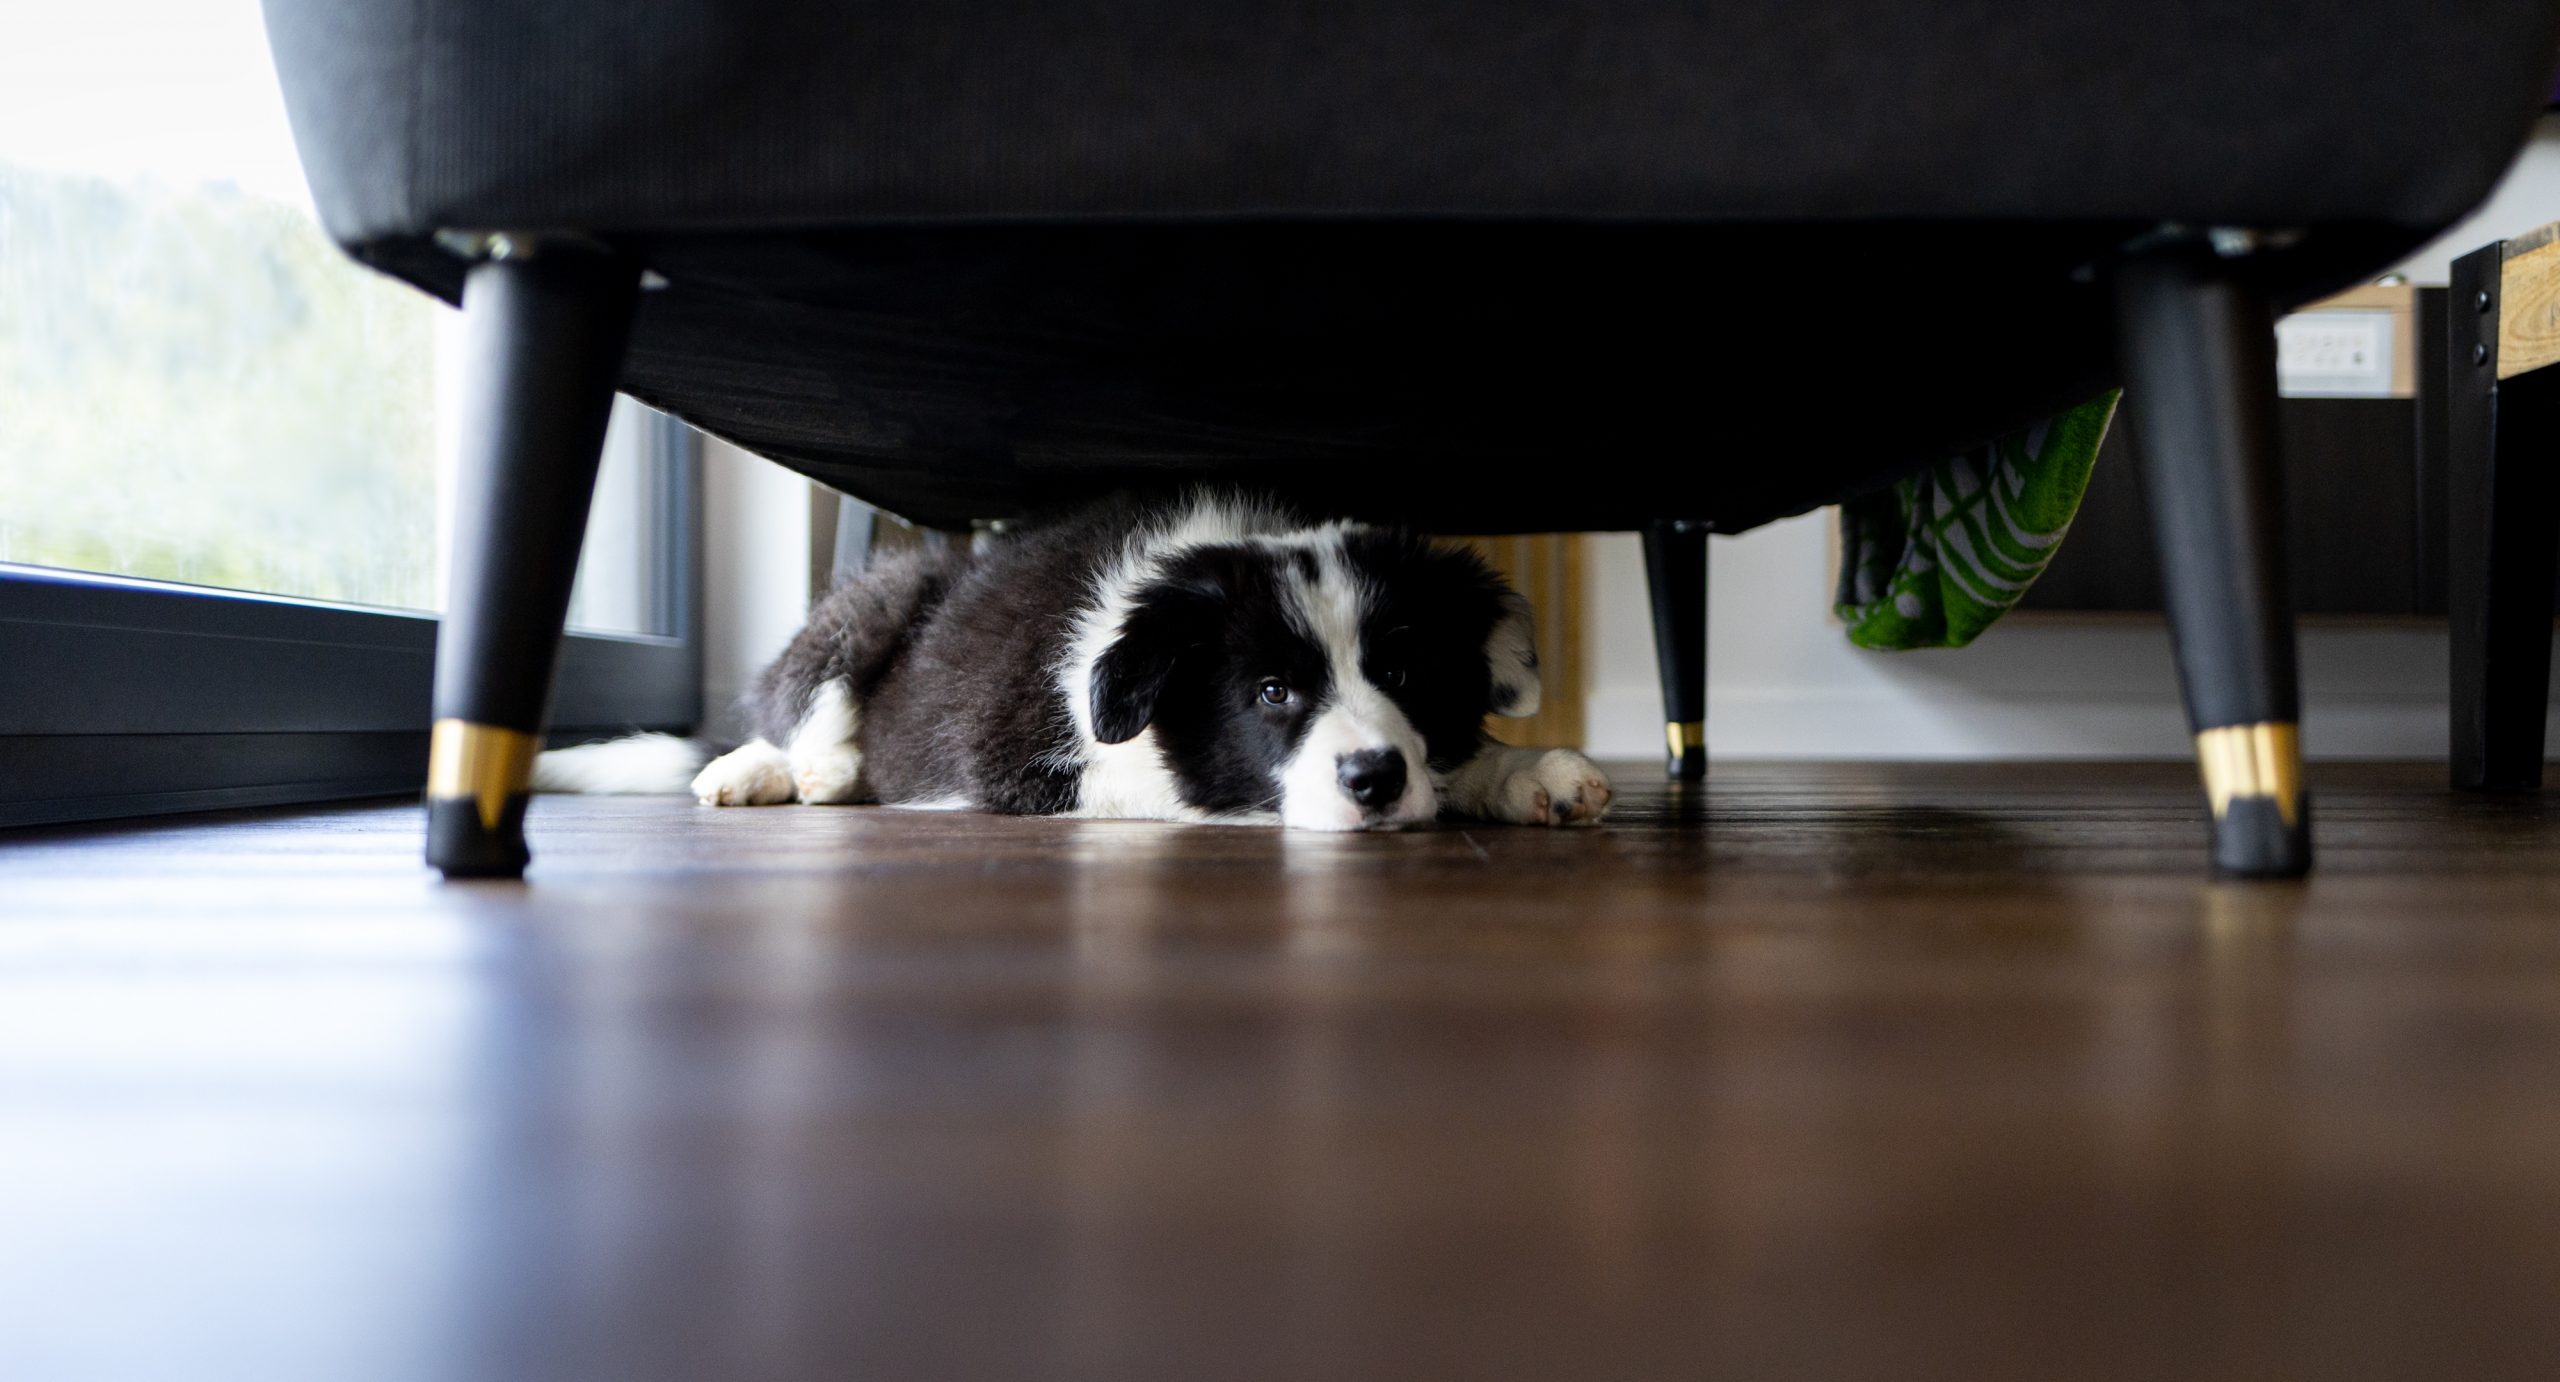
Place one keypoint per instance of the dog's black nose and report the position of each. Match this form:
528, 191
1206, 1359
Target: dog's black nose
1373, 777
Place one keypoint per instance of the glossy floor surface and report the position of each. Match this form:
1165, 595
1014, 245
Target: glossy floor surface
1825, 1072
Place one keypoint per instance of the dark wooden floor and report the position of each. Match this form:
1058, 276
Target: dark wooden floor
1819, 1072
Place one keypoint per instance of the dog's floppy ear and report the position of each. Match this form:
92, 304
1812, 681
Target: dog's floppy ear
1511, 657
1166, 619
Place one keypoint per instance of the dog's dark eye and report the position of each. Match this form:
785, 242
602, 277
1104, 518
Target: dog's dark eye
1395, 676
1275, 691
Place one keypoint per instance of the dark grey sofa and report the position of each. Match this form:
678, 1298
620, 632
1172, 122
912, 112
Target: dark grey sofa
1472, 266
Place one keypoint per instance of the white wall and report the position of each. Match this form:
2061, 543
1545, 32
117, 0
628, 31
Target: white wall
755, 580
1784, 682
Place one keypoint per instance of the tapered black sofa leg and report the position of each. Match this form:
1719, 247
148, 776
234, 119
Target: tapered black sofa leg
2197, 346
1675, 564
2502, 509
545, 324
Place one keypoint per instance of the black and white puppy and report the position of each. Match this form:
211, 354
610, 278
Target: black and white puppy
1209, 659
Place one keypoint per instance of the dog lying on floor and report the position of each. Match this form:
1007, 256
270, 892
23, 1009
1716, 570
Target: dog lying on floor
1210, 659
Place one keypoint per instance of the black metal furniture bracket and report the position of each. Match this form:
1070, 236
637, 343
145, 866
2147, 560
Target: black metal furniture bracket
2502, 507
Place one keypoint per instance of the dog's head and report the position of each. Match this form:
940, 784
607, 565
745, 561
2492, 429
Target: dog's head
1324, 675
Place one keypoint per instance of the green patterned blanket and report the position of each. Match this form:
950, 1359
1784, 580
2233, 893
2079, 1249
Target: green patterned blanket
1935, 560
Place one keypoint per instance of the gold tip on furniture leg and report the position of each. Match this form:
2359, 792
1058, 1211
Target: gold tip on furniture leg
1688, 744
2261, 816
482, 762
476, 780
2262, 760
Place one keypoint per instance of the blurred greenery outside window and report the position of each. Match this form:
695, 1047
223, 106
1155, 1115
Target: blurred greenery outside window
195, 385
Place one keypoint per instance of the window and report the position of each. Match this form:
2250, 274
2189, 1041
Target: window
225, 452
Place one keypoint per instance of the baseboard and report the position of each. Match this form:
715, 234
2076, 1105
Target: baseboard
1793, 723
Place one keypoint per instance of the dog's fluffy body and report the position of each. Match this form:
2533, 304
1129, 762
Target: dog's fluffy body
1210, 659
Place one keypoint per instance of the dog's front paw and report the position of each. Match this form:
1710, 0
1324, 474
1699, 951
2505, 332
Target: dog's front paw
1558, 787
827, 778
754, 775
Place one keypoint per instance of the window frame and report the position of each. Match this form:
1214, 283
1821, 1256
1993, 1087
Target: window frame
125, 697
